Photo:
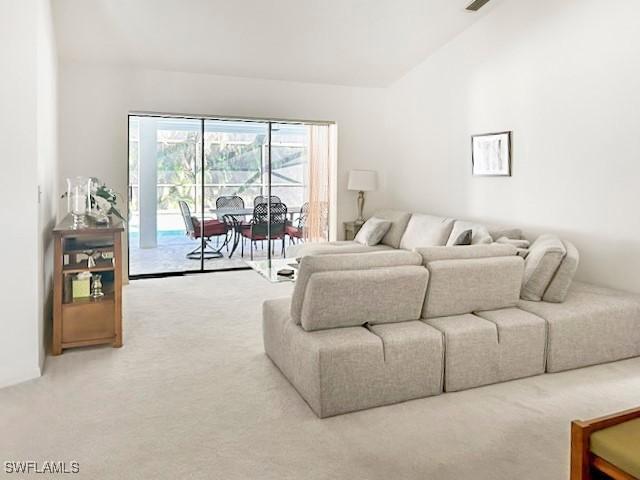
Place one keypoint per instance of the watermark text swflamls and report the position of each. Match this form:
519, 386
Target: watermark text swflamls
46, 467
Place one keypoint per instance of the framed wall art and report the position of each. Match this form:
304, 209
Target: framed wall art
491, 154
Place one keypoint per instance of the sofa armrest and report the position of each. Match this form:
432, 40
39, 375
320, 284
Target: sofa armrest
350, 298
460, 252
474, 284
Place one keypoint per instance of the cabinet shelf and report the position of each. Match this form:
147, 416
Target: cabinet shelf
88, 301
80, 249
83, 266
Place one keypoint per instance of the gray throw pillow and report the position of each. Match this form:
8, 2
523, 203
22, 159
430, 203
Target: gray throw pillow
464, 238
479, 233
399, 221
373, 231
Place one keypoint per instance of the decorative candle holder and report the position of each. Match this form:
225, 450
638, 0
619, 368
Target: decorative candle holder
96, 287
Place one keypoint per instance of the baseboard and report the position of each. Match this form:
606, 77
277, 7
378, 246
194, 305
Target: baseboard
20, 376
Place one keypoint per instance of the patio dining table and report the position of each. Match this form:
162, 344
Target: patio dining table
243, 212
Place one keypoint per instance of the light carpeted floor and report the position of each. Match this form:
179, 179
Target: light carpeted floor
192, 395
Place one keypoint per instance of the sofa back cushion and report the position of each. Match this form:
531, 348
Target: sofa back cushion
480, 234
348, 298
425, 231
399, 221
475, 284
544, 257
312, 264
558, 289
431, 254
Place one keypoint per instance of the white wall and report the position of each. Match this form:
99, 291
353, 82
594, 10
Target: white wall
564, 75
47, 144
27, 121
95, 100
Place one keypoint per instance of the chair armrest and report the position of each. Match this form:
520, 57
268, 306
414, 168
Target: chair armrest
580, 433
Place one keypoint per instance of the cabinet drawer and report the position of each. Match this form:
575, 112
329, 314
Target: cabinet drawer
88, 322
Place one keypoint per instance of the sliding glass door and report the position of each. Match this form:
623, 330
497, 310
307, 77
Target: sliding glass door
164, 166
236, 174
210, 194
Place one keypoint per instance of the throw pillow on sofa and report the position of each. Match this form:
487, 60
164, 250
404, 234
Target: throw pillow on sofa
373, 231
480, 234
542, 262
399, 221
559, 287
464, 238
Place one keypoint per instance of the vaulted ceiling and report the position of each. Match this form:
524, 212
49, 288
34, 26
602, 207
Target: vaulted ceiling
343, 42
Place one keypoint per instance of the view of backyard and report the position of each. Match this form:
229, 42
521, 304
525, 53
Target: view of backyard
166, 167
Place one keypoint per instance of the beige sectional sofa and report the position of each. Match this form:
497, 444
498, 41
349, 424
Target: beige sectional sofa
384, 325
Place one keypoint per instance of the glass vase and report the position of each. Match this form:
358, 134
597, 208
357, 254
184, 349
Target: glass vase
78, 199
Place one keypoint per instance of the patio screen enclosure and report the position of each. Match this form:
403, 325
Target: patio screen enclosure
199, 190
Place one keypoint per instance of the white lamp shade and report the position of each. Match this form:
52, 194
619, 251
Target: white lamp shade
363, 180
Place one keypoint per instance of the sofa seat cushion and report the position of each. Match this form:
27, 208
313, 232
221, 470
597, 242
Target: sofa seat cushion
331, 248
425, 231
542, 262
309, 265
490, 347
347, 298
479, 233
345, 369
399, 221
468, 285
593, 325
619, 445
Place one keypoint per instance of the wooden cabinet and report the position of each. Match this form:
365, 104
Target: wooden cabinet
96, 249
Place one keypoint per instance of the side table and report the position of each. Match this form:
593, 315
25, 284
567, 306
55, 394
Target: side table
351, 229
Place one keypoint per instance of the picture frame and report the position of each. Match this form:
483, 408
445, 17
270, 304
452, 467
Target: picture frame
491, 154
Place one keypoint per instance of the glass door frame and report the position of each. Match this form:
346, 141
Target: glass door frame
269, 123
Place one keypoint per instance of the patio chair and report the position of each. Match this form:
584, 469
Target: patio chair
210, 228
230, 201
263, 199
258, 228
296, 230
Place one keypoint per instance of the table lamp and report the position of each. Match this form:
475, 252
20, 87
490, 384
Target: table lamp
362, 181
